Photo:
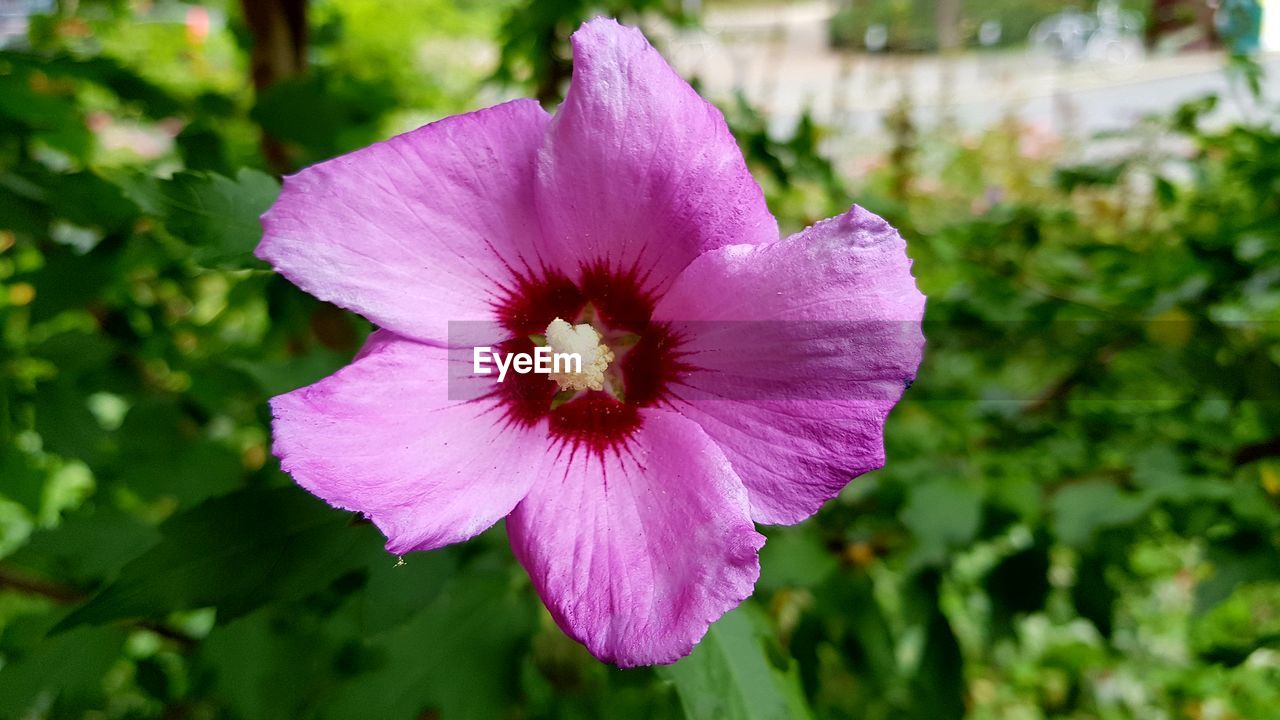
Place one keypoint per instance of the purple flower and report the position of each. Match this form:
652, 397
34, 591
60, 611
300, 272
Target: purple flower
744, 378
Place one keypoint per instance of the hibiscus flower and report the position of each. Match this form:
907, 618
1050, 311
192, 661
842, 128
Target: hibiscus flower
743, 378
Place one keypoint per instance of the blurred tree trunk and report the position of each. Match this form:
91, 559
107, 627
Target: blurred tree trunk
947, 16
279, 31
1170, 16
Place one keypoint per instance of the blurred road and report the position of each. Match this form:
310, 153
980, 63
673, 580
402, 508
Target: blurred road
778, 56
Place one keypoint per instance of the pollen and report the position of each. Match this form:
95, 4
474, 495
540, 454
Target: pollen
584, 341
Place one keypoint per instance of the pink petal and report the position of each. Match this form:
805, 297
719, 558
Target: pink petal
803, 346
638, 171
419, 229
382, 436
636, 553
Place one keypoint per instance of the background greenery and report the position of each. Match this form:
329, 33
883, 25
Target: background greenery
911, 25
1078, 519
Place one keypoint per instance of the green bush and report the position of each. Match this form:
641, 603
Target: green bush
1080, 515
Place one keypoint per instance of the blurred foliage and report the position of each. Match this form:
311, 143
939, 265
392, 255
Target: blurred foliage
535, 38
1078, 518
911, 25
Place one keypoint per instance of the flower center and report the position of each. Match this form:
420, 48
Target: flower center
583, 342
629, 362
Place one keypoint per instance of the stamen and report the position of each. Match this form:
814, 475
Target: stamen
585, 342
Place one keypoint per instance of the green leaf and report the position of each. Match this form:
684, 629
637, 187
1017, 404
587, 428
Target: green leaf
1019, 584
23, 478
795, 557
456, 659
75, 352
1157, 467
68, 668
397, 591
1102, 174
65, 424
218, 216
277, 376
942, 514
322, 113
268, 664
1247, 620
104, 71
1166, 192
737, 673
235, 553
1247, 557
202, 148
163, 452
1093, 594
20, 103
1158, 470
869, 641
87, 546
938, 688
1082, 509
70, 281
89, 200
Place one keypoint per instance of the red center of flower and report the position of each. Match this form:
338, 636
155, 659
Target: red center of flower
646, 361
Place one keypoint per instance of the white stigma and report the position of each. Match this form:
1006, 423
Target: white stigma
584, 341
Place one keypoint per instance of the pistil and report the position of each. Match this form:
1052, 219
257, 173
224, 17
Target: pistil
584, 341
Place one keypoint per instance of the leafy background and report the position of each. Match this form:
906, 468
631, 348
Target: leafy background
1078, 518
